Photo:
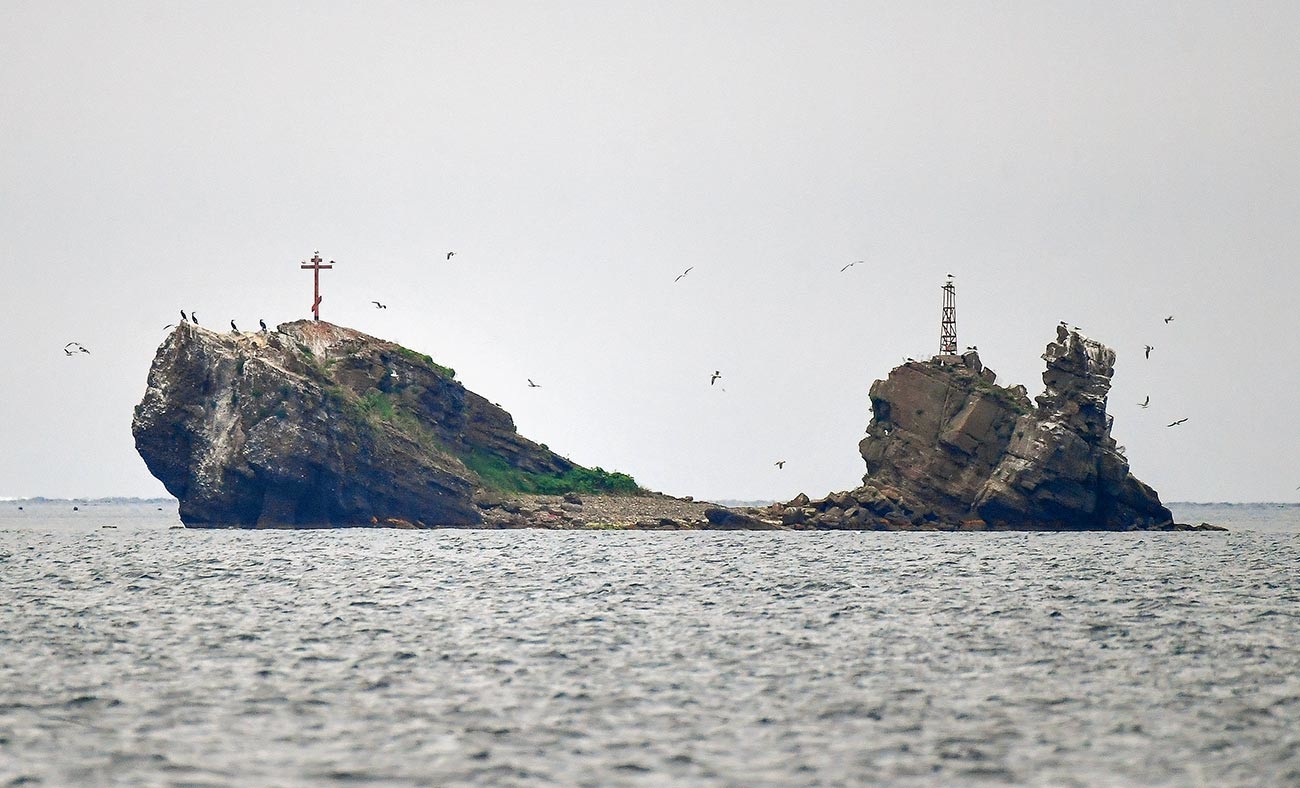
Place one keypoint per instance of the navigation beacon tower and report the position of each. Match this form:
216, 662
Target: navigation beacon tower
948, 326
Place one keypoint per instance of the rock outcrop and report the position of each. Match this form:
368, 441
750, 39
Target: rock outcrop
947, 448
315, 425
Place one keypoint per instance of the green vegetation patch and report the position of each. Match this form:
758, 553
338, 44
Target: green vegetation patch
501, 475
427, 360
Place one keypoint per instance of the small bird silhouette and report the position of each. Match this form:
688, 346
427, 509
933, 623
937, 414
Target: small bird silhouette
74, 347
684, 273
850, 265
1146, 402
716, 374
234, 327
379, 305
780, 464
1169, 319
262, 323
169, 325
533, 385
450, 255
184, 318
1148, 349
194, 318
1176, 423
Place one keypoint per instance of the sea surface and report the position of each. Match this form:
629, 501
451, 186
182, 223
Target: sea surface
144, 654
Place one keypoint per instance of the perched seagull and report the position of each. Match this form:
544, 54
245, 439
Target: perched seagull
850, 265
1176, 423
1149, 349
1169, 319
1146, 402
780, 464
716, 374
379, 305
684, 273
450, 254
533, 385
262, 323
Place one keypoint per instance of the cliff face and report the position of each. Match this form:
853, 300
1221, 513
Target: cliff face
318, 425
948, 448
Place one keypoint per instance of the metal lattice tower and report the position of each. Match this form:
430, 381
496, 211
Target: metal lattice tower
948, 327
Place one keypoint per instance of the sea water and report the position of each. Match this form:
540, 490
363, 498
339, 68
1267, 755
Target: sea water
149, 655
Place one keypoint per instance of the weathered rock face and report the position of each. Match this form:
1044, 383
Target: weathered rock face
948, 448
317, 425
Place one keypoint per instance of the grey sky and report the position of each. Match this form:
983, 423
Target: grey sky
1108, 164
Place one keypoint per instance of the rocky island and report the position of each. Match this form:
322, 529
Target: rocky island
317, 425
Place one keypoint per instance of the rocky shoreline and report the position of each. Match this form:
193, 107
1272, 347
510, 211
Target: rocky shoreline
659, 512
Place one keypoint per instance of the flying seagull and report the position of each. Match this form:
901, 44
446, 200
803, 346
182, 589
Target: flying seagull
716, 374
533, 385
684, 273
850, 265
450, 254
780, 464
1149, 349
1176, 423
1144, 403
379, 305
1169, 319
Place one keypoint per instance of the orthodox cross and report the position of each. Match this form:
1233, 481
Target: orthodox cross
316, 268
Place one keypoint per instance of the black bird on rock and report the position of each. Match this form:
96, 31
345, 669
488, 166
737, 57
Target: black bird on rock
234, 327
194, 318
262, 323
184, 317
